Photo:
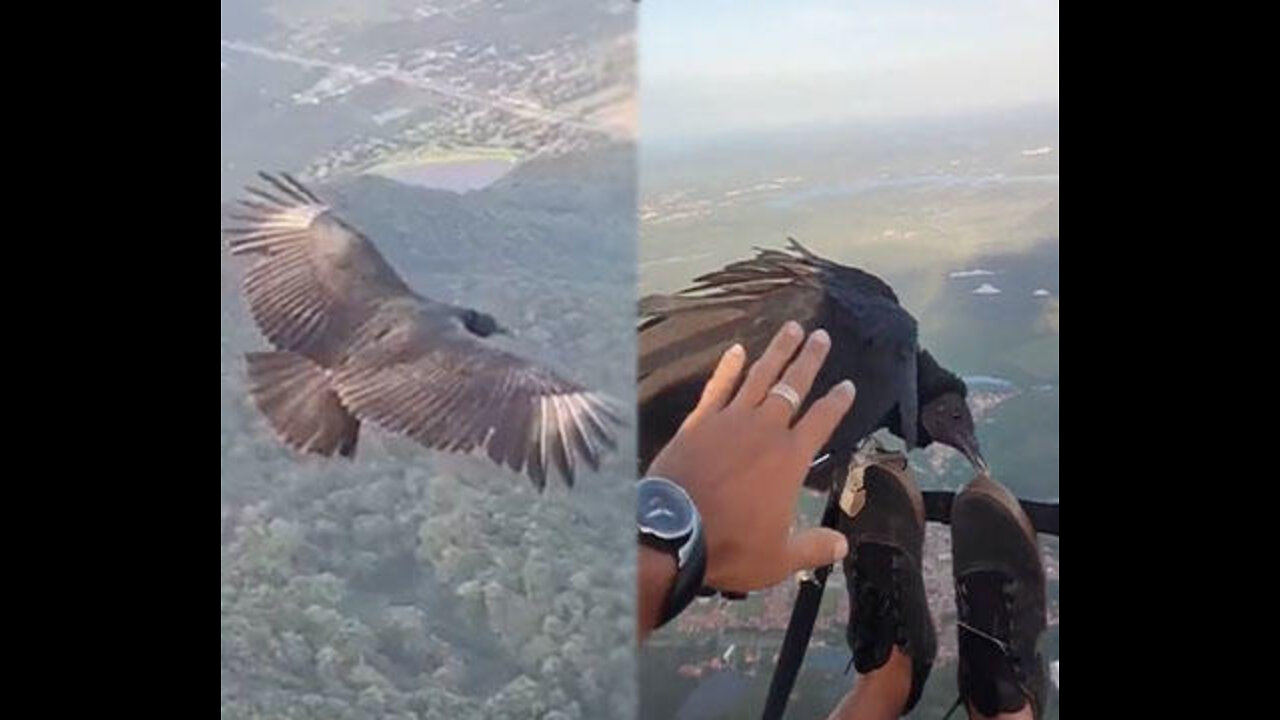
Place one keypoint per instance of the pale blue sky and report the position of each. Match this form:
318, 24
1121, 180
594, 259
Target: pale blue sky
720, 65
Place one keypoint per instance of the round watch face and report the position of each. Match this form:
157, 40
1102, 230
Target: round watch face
663, 509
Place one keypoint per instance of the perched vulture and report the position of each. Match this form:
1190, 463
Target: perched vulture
873, 342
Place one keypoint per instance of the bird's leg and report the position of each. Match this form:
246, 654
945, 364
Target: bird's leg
871, 451
867, 450
853, 494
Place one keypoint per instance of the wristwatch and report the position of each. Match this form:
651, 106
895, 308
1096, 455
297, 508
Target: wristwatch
667, 520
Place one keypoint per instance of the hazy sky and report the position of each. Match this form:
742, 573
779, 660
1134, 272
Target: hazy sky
718, 65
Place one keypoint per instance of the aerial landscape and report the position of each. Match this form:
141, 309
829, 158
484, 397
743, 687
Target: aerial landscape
517, 157
919, 142
408, 583
338, 87
962, 220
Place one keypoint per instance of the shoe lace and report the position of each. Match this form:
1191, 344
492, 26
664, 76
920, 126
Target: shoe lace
875, 607
1008, 591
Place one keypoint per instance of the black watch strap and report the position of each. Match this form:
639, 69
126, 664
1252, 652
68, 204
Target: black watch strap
688, 580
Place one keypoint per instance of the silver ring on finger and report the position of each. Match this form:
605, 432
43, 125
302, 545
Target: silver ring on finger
788, 393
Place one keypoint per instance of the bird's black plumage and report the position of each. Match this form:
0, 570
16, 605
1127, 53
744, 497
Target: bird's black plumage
873, 342
354, 343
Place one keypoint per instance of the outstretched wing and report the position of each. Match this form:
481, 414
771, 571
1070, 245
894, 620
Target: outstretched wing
448, 390
315, 278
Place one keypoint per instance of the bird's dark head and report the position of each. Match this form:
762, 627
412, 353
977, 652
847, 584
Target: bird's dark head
481, 324
947, 420
944, 414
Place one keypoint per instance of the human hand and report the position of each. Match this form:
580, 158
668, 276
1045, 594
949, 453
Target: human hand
742, 458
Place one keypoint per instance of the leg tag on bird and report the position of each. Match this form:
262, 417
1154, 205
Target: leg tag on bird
854, 495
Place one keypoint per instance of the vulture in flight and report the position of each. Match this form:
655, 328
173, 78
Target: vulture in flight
354, 343
873, 342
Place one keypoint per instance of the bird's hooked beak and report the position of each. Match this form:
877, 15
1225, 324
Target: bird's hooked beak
969, 446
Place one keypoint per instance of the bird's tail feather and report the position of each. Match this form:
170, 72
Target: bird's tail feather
295, 395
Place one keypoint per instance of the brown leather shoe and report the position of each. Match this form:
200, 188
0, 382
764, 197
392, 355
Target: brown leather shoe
1000, 600
887, 602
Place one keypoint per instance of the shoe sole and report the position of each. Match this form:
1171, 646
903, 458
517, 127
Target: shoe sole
989, 530
892, 499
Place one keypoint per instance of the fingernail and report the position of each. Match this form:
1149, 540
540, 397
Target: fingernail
792, 329
846, 387
841, 549
820, 337
735, 349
